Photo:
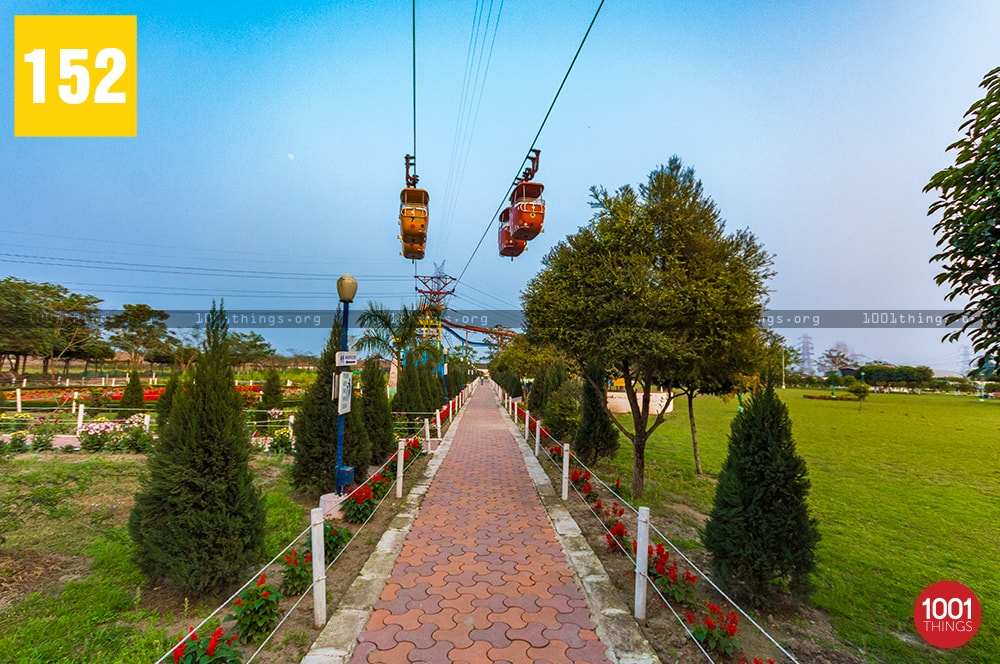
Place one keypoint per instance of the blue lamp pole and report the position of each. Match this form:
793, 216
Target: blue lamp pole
347, 288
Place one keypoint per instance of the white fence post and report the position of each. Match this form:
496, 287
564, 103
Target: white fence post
104, 381
17, 393
76, 395
565, 477
291, 429
527, 430
427, 431
113, 379
145, 423
399, 467
319, 568
538, 436
437, 421
24, 382
641, 563
79, 418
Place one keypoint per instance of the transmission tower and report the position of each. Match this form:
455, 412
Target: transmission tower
433, 290
806, 350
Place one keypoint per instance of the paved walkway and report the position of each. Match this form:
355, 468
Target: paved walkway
481, 576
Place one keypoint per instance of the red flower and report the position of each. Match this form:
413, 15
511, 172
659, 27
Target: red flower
232, 639
213, 643
261, 581
710, 624
179, 652
597, 505
661, 569
265, 594
238, 602
689, 617
309, 557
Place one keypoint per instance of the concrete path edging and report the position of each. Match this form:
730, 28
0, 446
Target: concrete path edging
338, 639
616, 628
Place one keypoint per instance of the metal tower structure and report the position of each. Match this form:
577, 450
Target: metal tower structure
806, 350
434, 289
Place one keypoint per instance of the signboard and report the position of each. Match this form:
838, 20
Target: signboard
346, 359
345, 391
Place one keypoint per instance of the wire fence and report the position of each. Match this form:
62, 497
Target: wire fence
523, 418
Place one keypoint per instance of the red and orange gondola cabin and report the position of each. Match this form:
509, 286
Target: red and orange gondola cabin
509, 245
413, 212
527, 210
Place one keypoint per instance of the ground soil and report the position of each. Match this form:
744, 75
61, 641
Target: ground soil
803, 630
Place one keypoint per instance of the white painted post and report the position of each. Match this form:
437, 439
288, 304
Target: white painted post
427, 431
76, 395
288, 383
565, 477
451, 411
399, 467
641, 563
319, 568
145, 423
17, 393
291, 427
113, 379
538, 436
104, 381
437, 421
24, 382
527, 425
251, 382
79, 418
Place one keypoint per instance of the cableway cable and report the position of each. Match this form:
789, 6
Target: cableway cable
535, 140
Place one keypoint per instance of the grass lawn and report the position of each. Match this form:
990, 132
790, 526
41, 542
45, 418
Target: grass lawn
88, 604
907, 492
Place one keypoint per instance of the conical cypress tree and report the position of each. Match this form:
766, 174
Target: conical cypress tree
316, 428
377, 416
596, 436
760, 533
132, 396
536, 396
357, 446
164, 403
197, 521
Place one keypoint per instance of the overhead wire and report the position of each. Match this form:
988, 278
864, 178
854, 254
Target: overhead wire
535, 139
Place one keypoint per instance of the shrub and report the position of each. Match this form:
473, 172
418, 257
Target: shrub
760, 532
198, 521
132, 396
360, 505
716, 631
376, 412
562, 410
217, 649
18, 442
281, 441
296, 574
596, 435
43, 435
256, 611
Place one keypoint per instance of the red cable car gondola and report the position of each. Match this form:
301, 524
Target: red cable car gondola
509, 246
527, 208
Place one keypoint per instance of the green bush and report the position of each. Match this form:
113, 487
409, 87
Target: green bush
760, 533
562, 410
256, 611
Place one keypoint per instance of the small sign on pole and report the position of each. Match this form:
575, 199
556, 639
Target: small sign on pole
346, 358
345, 391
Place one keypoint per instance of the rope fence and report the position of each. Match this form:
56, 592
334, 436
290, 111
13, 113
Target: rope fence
522, 417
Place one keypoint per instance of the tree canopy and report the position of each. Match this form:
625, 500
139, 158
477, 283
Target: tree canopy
969, 229
646, 287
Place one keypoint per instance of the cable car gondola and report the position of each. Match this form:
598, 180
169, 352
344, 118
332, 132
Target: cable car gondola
413, 215
509, 245
527, 207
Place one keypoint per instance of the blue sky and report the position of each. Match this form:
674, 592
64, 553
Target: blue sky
271, 138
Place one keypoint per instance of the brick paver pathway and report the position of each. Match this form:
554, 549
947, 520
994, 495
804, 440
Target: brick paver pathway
481, 576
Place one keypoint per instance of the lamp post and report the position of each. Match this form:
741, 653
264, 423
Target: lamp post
347, 287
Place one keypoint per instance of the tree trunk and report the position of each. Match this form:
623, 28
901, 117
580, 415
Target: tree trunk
638, 464
694, 434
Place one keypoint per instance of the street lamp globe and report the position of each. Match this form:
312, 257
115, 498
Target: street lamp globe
347, 288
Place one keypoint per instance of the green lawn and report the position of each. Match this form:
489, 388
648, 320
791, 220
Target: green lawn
907, 492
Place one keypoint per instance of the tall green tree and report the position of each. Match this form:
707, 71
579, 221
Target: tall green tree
760, 532
166, 401
316, 427
375, 408
969, 229
138, 329
250, 348
389, 333
198, 522
596, 437
133, 393
626, 290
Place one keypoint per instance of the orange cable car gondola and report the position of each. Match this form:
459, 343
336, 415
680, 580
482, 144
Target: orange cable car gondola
527, 207
413, 216
509, 245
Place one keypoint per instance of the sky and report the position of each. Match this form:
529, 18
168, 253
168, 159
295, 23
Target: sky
269, 152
